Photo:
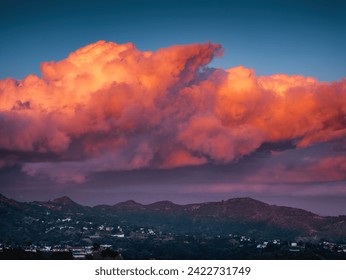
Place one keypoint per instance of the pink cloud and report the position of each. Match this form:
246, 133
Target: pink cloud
109, 107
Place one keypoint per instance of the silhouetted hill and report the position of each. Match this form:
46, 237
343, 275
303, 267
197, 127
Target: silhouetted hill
64, 200
6, 202
62, 204
164, 206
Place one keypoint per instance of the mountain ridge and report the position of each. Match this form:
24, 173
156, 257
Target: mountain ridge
242, 215
123, 205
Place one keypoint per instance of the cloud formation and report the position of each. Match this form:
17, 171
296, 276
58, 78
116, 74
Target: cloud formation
111, 107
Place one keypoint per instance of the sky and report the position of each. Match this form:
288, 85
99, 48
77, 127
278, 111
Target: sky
187, 101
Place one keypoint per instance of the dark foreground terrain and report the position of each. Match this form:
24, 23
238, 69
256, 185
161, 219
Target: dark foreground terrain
240, 228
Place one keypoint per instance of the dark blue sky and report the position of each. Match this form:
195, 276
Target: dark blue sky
292, 37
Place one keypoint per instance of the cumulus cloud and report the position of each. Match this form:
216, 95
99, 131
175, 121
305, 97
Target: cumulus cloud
109, 106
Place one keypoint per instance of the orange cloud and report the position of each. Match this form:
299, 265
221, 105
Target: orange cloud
112, 107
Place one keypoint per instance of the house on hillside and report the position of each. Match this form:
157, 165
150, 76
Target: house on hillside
296, 247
